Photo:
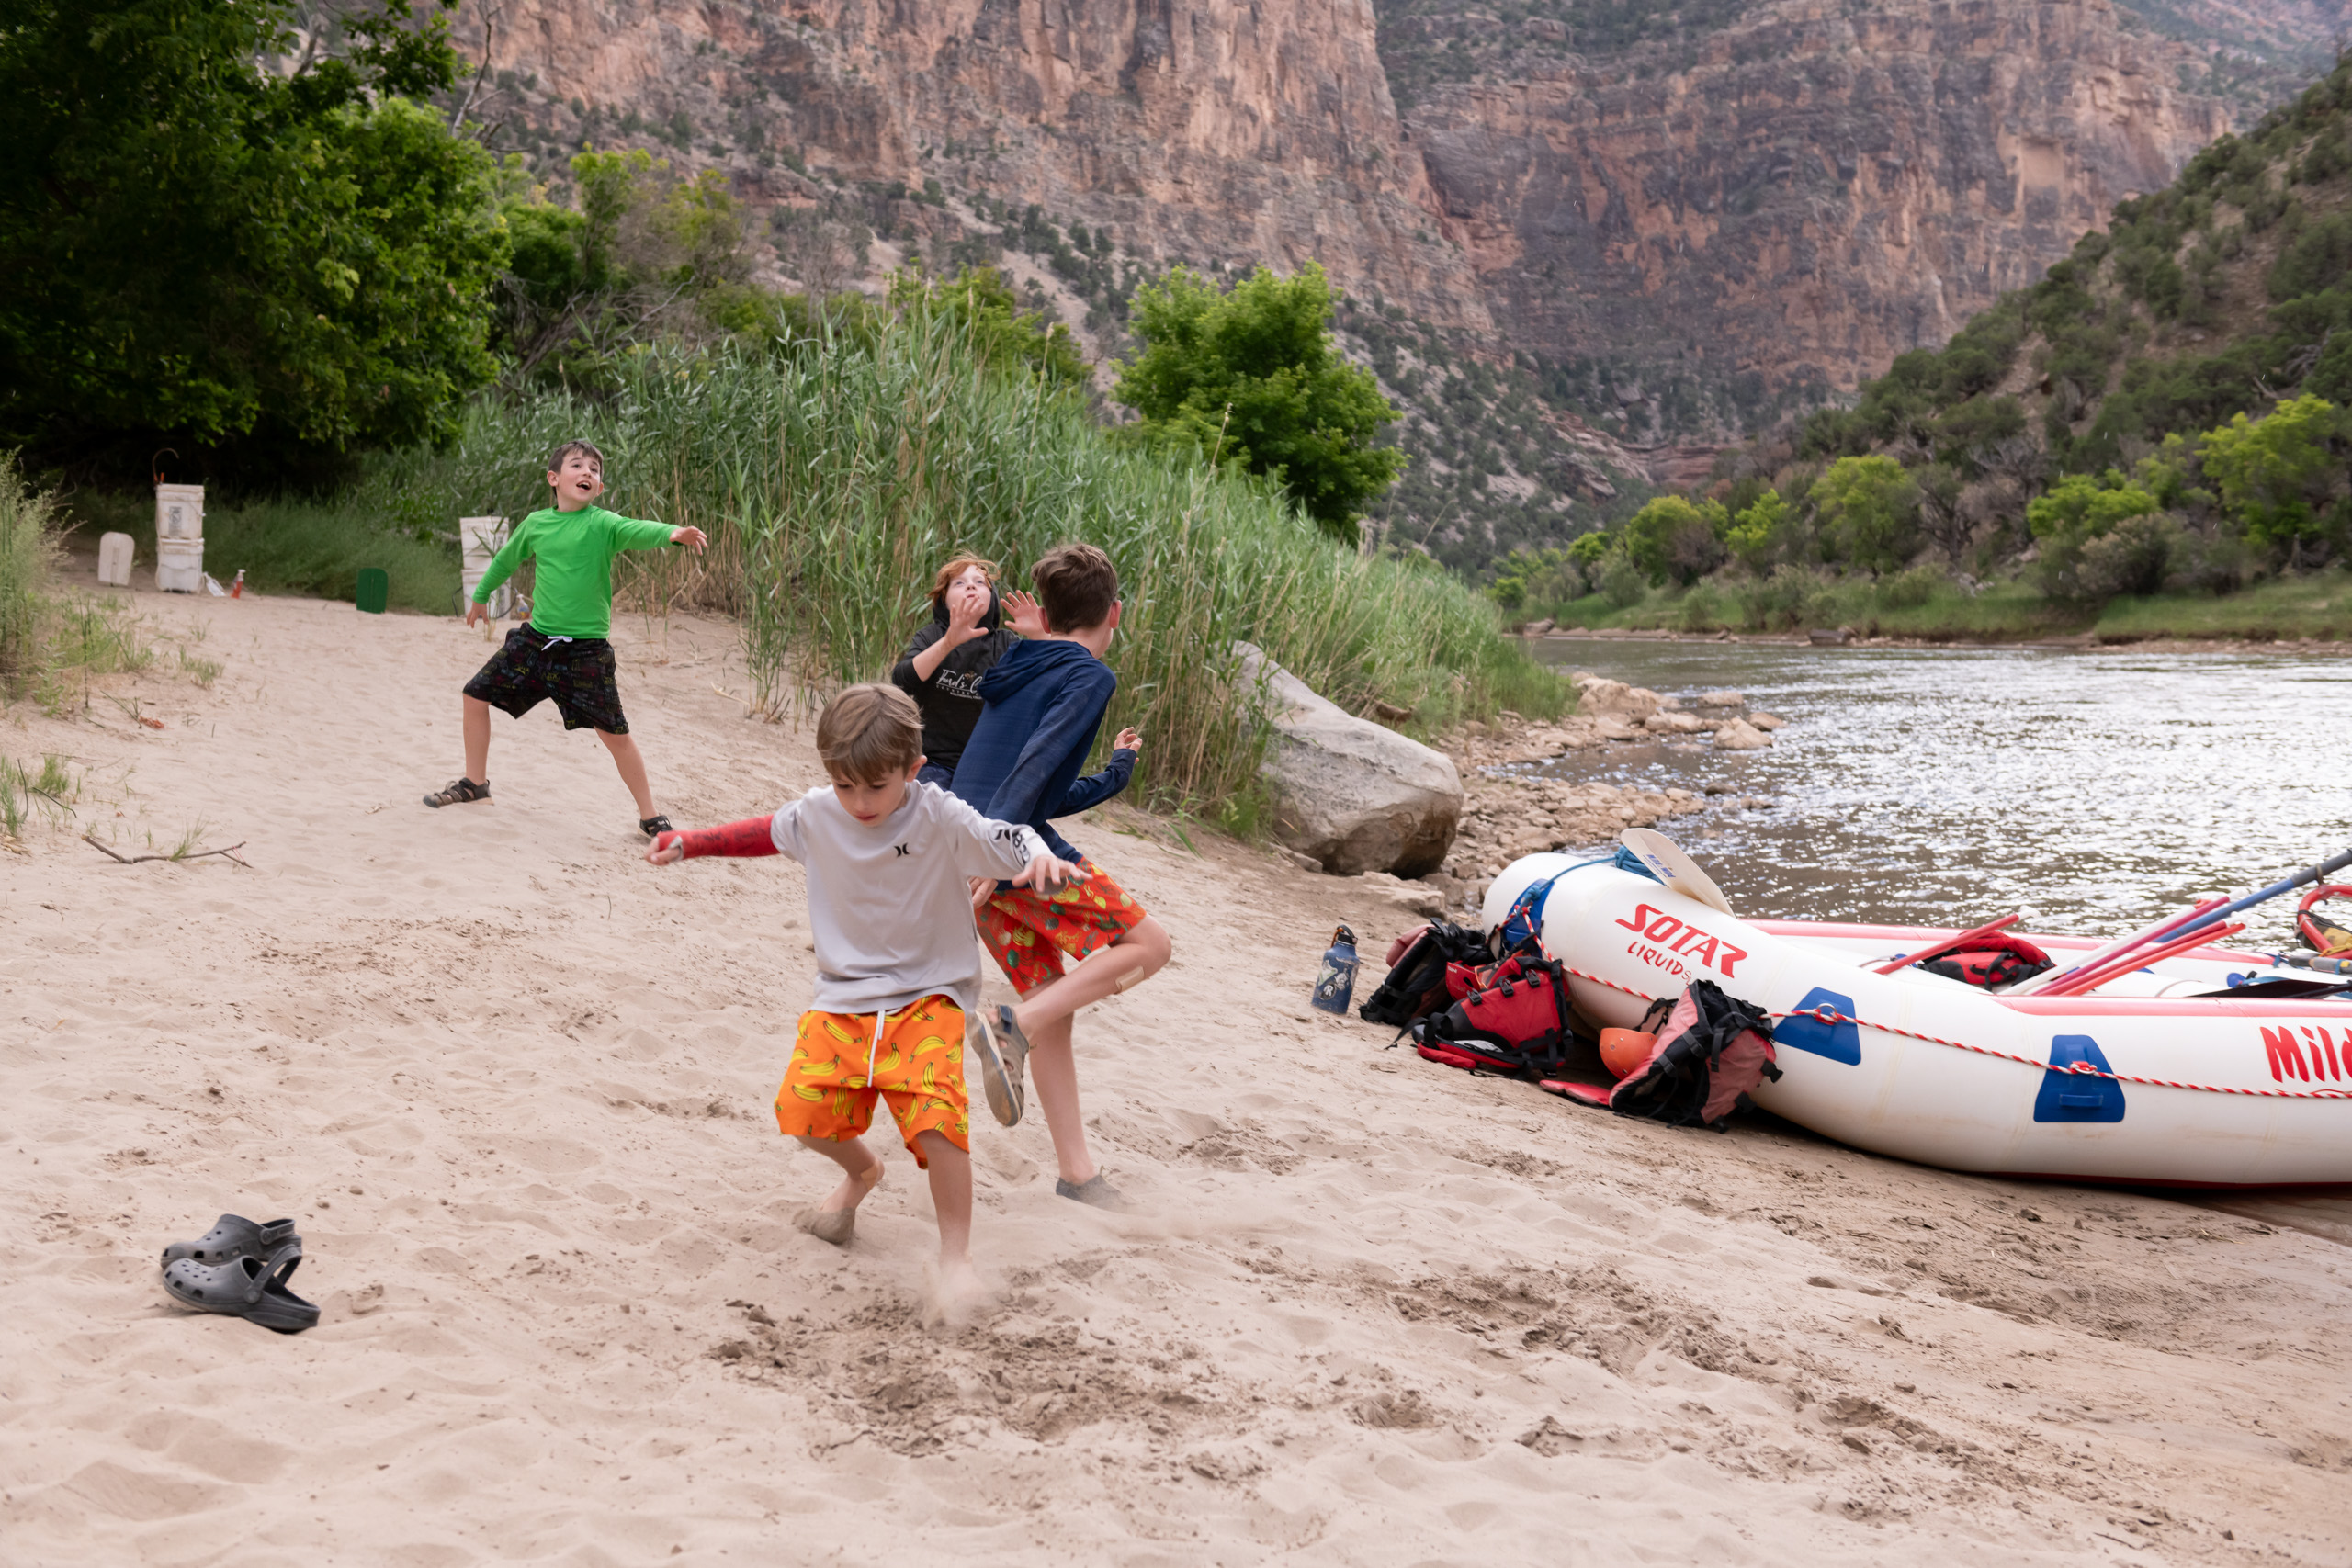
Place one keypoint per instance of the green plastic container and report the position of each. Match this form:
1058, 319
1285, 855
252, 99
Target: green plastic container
375, 588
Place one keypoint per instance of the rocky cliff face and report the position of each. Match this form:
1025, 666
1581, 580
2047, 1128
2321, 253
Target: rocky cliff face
1783, 205
1238, 130
1657, 221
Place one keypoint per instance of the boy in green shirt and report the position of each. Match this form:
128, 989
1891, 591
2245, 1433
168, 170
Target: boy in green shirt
562, 652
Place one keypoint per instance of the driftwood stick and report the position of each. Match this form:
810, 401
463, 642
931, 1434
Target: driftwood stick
133, 860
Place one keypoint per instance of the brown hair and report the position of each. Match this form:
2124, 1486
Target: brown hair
869, 734
555, 459
956, 569
1077, 585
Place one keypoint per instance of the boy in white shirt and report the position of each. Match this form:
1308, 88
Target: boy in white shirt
897, 966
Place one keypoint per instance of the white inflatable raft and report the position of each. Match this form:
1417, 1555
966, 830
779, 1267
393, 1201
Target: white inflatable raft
2185, 1087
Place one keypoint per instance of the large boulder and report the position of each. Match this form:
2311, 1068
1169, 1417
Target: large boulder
1349, 792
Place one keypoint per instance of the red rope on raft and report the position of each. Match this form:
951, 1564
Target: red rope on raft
1832, 1016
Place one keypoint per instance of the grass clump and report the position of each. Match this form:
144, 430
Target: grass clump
28, 551
833, 477
26, 792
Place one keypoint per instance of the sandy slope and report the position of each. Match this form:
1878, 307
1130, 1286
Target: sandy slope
515, 1083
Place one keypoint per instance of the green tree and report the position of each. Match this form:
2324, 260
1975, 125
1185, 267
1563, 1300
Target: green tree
203, 247
2271, 471
1004, 334
1672, 537
1758, 530
2087, 505
1869, 510
1252, 379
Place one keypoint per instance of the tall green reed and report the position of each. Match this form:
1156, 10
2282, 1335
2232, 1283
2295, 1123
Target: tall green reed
834, 472
28, 554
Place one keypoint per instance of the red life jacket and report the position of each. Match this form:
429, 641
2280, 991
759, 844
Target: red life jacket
1995, 960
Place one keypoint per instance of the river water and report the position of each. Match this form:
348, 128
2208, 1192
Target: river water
2094, 790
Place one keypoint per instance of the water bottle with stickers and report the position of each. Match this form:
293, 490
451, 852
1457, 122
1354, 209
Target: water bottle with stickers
1335, 984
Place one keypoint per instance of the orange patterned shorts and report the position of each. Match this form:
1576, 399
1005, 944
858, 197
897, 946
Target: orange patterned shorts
1027, 931
917, 1062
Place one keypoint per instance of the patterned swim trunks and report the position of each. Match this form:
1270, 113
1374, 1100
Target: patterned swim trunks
1028, 933
577, 673
841, 1062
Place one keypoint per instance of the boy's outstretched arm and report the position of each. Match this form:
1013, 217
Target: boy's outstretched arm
751, 836
1091, 791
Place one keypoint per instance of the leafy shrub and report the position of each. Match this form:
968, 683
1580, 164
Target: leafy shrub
1622, 583
1701, 610
1909, 590
1789, 599
2135, 556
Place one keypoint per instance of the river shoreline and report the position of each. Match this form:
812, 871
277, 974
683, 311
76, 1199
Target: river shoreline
2085, 642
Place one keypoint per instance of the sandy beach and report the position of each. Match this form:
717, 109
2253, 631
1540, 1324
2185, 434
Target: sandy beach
514, 1083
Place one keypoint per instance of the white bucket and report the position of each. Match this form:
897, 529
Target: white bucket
180, 512
180, 566
479, 538
114, 559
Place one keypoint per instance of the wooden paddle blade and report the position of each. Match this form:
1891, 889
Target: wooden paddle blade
1670, 866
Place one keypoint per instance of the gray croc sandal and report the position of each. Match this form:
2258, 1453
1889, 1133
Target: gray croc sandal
246, 1287
1095, 1192
232, 1236
1004, 1051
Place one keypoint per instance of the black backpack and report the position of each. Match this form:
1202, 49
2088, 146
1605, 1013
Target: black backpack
1416, 986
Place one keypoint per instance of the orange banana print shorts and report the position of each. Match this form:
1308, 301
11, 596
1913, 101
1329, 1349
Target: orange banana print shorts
1028, 933
841, 1062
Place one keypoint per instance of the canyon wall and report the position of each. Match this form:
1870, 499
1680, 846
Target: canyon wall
1819, 188
1722, 210
1256, 130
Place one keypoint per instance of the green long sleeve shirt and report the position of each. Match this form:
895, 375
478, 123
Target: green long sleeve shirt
573, 593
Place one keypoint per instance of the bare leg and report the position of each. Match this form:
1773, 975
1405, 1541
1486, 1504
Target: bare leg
631, 762
478, 740
1135, 956
1044, 1017
955, 1289
951, 1195
835, 1219
1053, 1083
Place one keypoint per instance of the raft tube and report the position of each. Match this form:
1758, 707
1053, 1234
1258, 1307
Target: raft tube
2160, 1078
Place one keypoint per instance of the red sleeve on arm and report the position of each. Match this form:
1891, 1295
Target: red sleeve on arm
751, 836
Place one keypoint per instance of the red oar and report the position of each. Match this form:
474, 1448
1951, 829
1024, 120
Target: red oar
2049, 979
2076, 985
1954, 944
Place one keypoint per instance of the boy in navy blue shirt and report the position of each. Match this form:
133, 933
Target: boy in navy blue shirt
1042, 703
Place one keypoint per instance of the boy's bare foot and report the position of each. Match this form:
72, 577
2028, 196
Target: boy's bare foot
956, 1296
835, 1220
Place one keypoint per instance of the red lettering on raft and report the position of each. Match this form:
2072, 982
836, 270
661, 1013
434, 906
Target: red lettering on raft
1702, 946
1643, 915
2286, 1055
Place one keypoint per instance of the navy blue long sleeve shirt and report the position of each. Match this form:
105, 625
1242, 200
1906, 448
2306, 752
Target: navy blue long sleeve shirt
1042, 705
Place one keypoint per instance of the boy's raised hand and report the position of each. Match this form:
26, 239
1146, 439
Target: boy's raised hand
1046, 873
668, 849
1130, 739
1023, 611
693, 539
